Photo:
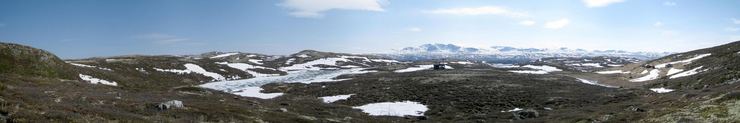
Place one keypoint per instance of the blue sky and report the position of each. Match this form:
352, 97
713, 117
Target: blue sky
87, 28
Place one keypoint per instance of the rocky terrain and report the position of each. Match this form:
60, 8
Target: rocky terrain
314, 86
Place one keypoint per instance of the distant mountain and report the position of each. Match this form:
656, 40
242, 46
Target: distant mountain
505, 53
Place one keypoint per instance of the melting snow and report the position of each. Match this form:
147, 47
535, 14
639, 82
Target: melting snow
193, 68
687, 61
365, 59
654, 74
587, 65
673, 71
462, 62
245, 67
89, 66
503, 65
255, 92
310, 65
331, 99
661, 90
544, 69
644, 72
416, 68
384, 60
256, 61
687, 73
224, 55
400, 109
298, 73
529, 71
97, 81
289, 61
613, 72
303, 56
595, 83
513, 110
303, 76
614, 65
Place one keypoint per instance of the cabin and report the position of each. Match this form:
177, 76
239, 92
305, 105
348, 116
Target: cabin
439, 66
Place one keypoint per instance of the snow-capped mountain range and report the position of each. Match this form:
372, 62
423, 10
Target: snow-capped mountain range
505, 53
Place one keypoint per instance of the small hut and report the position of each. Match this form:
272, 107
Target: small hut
439, 66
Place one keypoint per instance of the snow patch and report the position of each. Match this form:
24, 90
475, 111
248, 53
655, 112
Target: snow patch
255, 92
654, 74
614, 65
529, 71
94, 80
193, 68
256, 61
310, 65
364, 59
513, 110
415, 68
89, 66
303, 76
673, 71
590, 82
503, 65
303, 56
644, 72
384, 60
587, 65
544, 69
245, 67
661, 90
687, 73
687, 61
224, 55
613, 72
462, 62
331, 99
400, 109
289, 61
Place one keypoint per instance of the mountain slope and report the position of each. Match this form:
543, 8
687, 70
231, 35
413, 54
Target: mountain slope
28, 61
506, 54
699, 86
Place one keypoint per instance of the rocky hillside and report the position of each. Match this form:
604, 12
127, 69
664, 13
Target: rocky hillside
36, 86
27, 61
702, 84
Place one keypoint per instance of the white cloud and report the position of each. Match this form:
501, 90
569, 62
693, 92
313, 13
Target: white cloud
557, 24
414, 29
315, 8
527, 22
732, 29
485, 10
600, 3
658, 24
736, 21
160, 38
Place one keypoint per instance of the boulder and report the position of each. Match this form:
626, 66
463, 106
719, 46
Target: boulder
172, 104
525, 114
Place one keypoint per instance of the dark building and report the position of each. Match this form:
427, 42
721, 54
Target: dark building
439, 66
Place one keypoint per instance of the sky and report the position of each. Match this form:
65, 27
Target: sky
90, 28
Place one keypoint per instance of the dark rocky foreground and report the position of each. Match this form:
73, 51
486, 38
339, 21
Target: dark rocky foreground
480, 95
